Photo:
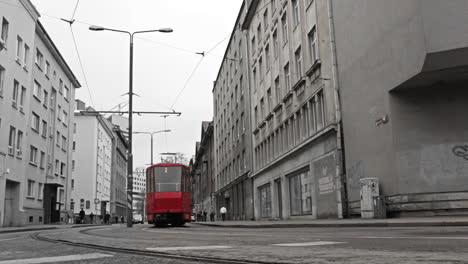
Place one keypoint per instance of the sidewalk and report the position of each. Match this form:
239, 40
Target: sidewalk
354, 222
28, 228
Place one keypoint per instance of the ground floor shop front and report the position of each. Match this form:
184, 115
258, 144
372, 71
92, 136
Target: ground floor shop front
237, 199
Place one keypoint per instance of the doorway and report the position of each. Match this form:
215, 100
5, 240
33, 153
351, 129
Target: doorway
11, 204
279, 199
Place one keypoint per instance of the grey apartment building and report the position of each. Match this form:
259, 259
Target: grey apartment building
37, 90
232, 130
294, 110
403, 76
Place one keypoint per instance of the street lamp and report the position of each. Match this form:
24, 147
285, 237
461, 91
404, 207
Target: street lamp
151, 134
130, 113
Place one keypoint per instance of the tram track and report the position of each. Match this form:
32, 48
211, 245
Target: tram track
148, 253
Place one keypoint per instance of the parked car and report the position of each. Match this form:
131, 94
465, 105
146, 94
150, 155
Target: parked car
137, 218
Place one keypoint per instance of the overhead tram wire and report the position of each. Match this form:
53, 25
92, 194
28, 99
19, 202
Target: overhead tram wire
74, 11
203, 54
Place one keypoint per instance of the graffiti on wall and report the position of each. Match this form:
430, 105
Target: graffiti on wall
461, 151
325, 170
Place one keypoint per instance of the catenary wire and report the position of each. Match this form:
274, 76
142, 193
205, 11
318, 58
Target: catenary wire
76, 7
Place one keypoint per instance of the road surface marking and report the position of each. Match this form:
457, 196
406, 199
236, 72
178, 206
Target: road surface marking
187, 248
56, 259
6, 239
403, 237
305, 244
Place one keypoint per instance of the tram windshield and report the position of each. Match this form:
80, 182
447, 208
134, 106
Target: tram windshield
168, 179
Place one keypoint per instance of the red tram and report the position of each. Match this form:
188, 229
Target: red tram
168, 199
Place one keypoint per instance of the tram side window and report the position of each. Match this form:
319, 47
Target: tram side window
168, 179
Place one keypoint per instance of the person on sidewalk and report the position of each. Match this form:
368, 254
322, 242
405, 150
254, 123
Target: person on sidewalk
82, 215
223, 212
91, 216
205, 213
212, 215
107, 218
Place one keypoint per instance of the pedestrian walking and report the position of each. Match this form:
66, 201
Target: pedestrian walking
107, 218
91, 216
82, 215
205, 213
122, 219
116, 219
212, 215
223, 212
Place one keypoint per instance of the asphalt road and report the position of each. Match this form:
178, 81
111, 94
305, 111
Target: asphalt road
268, 245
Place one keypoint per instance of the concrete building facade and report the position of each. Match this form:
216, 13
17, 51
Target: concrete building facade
36, 88
92, 157
139, 191
202, 170
232, 130
402, 73
119, 174
295, 113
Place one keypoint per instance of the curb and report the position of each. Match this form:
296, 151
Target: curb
336, 225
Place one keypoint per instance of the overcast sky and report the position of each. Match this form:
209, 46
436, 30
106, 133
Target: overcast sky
162, 62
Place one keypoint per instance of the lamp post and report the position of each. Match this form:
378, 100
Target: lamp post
151, 134
130, 114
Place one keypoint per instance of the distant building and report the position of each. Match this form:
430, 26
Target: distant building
93, 153
37, 91
202, 170
119, 173
139, 190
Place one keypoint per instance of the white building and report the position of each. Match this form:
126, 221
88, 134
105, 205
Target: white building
139, 190
36, 88
92, 163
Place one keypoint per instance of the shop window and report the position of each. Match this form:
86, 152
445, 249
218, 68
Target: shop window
300, 191
265, 200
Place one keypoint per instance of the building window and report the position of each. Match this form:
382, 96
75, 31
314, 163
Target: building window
287, 80
62, 169
40, 191
65, 118
73, 184
62, 196
44, 129
37, 90
2, 80
278, 90
31, 184
59, 113
270, 100
4, 35
35, 122
265, 19
312, 45
39, 59
298, 57
66, 93
26, 56
275, 44
253, 45
42, 160
262, 108
73, 165
19, 144
259, 34
320, 110
57, 164
267, 57
47, 68
22, 97
88, 204
265, 200
19, 48
11, 141
15, 93
60, 86
296, 17
57, 142
33, 155
64, 143
300, 194
46, 98
284, 23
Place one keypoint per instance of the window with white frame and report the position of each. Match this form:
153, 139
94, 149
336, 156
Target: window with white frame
40, 191
47, 68
62, 169
37, 90
278, 90
287, 80
42, 160
19, 144
31, 184
19, 48
2, 79
298, 57
12, 141
15, 92
39, 59
22, 97
44, 129
4, 35
312, 38
33, 155
296, 16
26, 56
45, 98
284, 24
66, 93
275, 44
35, 122
267, 57
60, 86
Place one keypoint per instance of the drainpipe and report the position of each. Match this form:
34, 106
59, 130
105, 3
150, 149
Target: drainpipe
339, 179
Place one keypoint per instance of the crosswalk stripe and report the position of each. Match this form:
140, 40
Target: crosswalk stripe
56, 259
315, 243
187, 248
